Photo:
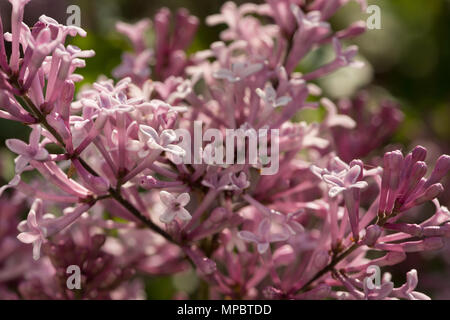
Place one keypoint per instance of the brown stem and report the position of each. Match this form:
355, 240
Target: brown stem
116, 195
331, 266
41, 118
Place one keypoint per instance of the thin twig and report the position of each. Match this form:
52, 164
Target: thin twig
331, 266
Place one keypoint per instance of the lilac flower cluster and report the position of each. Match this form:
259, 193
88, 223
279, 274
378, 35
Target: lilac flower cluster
105, 164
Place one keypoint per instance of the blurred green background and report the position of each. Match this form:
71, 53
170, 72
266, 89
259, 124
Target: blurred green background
408, 60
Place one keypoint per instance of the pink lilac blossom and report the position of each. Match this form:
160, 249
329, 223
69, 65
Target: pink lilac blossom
124, 205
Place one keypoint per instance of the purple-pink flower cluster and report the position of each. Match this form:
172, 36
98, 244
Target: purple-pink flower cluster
108, 193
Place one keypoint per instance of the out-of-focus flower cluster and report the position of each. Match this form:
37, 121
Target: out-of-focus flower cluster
107, 164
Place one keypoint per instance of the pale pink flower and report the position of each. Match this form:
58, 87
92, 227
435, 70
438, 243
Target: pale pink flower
344, 181
174, 207
31, 151
39, 226
161, 142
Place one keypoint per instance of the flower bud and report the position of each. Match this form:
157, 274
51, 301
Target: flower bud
440, 170
96, 184
204, 265
392, 258
419, 153
373, 232
67, 93
437, 231
353, 30
148, 182
431, 193
218, 215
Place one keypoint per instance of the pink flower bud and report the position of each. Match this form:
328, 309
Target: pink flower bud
148, 182
67, 93
185, 29
218, 215
431, 193
419, 153
353, 30
440, 170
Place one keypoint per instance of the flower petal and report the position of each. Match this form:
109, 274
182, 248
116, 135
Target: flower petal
214, 19
183, 214
261, 93
183, 199
31, 220
22, 226
13, 183
248, 236
264, 227
385, 290
168, 216
318, 172
224, 74
277, 237
333, 180
175, 150
21, 163
342, 121
296, 227
134, 145
149, 132
167, 198
262, 247
282, 101
35, 136
335, 191
167, 137
352, 175
271, 94
17, 146
143, 153
251, 69
28, 237
360, 185
41, 155
38, 208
